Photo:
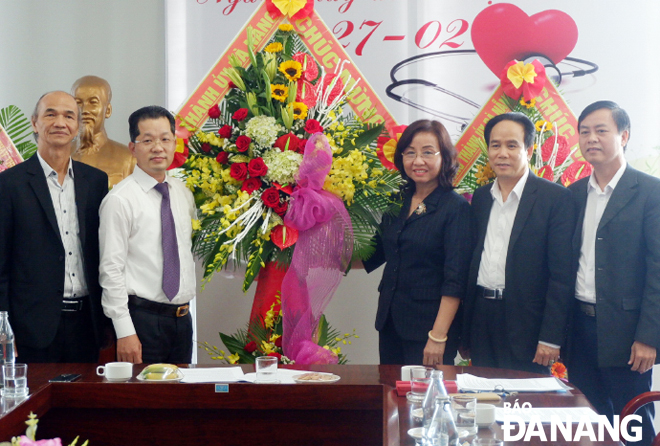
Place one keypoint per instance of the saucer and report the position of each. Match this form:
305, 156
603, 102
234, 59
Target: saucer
118, 380
416, 432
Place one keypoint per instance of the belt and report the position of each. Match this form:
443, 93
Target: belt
489, 293
71, 304
588, 309
157, 307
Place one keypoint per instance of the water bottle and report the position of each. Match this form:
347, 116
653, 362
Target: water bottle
436, 389
441, 430
7, 348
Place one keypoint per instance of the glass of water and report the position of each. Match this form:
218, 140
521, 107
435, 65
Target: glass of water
266, 367
464, 407
15, 380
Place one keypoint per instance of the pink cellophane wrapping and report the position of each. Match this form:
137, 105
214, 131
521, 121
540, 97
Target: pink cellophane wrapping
321, 255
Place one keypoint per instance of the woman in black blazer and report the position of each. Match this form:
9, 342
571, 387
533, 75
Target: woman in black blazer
426, 249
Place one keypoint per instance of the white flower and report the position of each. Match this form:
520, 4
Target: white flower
282, 166
263, 130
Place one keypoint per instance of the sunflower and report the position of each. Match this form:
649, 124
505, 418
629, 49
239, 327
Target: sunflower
286, 27
299, 110
291, 69
540, 123
279, 92
274, 47
528, 104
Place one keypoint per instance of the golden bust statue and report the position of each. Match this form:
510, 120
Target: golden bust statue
93, 95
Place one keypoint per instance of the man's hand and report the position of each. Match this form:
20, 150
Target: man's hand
433, 352
546, 355
642, 357
129, 349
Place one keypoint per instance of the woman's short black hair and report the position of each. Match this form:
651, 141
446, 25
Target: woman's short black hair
449, 165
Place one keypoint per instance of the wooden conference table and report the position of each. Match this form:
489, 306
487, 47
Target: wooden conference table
360, 409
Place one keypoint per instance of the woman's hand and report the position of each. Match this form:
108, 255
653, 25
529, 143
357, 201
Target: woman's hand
433, 352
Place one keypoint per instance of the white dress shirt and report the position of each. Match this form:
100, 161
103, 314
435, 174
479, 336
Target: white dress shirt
500, 223
130, 239
66, 213
597, 199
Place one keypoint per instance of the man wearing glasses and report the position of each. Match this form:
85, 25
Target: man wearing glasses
147, 270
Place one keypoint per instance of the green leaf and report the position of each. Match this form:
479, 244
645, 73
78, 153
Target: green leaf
323, 330
369, 135
19, 129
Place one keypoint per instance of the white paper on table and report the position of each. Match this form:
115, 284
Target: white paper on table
284, 376
212, 375
466, 381
544, 414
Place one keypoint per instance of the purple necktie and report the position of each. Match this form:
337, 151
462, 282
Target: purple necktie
171, 266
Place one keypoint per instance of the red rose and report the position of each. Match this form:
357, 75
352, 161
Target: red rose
222, 158
240, 114
281, 208
251, 184
206, 147
290, 139
250, 347
312, 126
243, 143
225, 131
270, 197
278, 342
301, 146
257, 167
214, 112
238, 171
277, 355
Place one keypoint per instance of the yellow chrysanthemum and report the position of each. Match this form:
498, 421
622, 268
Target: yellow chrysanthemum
274, 47
291, 70
286, 27
279, 92
299, 110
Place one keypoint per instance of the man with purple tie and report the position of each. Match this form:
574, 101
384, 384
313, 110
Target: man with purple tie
147, 270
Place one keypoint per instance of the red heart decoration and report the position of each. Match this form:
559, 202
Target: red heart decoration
503, 32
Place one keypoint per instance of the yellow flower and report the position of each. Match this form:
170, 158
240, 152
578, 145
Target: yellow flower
527, 104
299, 110
520, 73
540, 123
196, 225
275, 337
233, 359
484, 174
286, 27
267, 347
274, 47
279, 92
291, 69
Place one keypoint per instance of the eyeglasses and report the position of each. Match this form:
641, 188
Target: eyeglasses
425, 155
149, 143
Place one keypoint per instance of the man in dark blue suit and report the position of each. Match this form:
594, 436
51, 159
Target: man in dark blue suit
49, 251
520, 287
616, 325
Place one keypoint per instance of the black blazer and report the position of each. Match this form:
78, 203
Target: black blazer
427, 257
627, 265
32, 253
539, 283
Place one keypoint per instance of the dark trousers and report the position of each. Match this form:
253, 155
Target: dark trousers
489, 343
608, 389
74, 341
164, 338
394, 350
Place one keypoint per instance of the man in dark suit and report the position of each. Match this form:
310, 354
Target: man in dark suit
49, 253
519, 287
616, 325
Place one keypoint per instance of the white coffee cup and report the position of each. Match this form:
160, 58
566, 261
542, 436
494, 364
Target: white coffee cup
406, 374
485, 415
116, 371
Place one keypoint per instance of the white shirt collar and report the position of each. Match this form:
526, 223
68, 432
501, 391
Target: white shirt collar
48, 171
516, 191
593, 184
144, 180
